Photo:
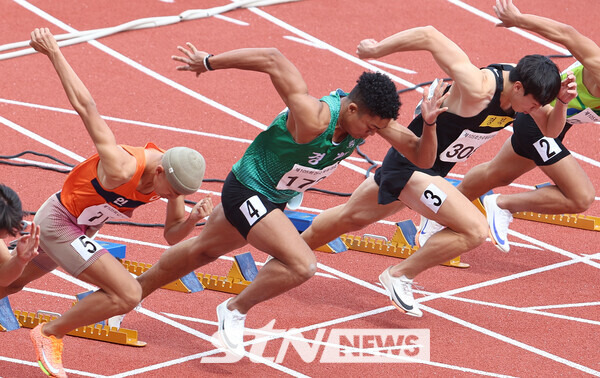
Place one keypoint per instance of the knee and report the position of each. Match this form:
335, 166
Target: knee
129, 297
305, 270
477, 232
583, 202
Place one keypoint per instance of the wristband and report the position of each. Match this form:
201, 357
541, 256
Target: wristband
207, 64
429, 124
558, 98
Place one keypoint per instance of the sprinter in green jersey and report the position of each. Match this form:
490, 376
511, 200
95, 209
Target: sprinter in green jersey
302, 146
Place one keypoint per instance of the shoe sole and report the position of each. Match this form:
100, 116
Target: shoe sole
495, 243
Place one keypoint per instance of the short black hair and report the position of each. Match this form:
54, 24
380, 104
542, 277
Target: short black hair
539, 76
11, 212
376, 94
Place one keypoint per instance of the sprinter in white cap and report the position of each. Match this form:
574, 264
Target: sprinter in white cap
110, 184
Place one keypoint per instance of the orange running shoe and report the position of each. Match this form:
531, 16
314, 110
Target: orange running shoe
49, 352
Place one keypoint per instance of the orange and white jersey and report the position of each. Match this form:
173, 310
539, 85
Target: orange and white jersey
86, 199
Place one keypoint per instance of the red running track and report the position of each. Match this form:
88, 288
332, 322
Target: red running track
532, 312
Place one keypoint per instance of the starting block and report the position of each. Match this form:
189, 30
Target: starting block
334, 246
95, 332
115, 249
240, 275
303, 220
8, 321
400, 246
186, 284
581, 221
300, 220
405, 233
244, 267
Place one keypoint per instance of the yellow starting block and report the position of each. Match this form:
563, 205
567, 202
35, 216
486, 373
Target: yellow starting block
241, 274
584, 222
401, 245
95, 332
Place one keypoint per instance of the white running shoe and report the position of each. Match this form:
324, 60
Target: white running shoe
498, 219
426, 229
231, 328
400, 292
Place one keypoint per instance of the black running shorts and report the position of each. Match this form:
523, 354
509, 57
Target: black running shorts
529, 142
245, 207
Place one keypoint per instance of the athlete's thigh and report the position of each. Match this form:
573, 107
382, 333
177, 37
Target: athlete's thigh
507, 165
435, 198
108, 274
276, 235
218, 236
568, 175
363, 203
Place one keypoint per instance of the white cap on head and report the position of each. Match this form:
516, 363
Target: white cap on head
184, 168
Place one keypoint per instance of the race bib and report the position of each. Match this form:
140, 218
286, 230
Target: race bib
585, 116
547, 148
301, 178
253, 209
465, 145
98, 214
85, 246
433, 197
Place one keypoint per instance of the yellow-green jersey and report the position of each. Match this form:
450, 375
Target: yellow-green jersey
585, 107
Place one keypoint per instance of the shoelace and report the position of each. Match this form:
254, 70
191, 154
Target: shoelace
57, 349
506, 217
407, 285
235, 318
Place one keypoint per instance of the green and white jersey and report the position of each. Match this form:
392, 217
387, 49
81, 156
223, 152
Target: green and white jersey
584, 108
279, 168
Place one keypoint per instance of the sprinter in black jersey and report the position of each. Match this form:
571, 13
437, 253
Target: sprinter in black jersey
480, 102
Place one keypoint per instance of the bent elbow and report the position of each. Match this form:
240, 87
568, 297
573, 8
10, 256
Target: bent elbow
426, 164
171, 240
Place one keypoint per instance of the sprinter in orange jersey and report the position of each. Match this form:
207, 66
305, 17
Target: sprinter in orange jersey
110, 184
